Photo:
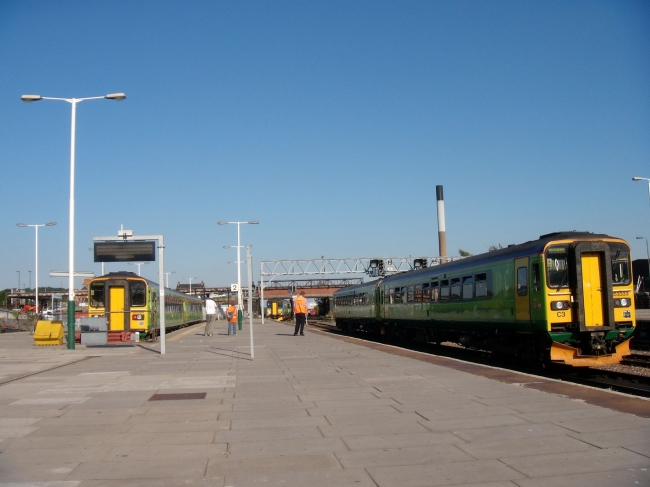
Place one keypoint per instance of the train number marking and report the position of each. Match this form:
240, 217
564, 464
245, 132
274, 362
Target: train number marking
561, 314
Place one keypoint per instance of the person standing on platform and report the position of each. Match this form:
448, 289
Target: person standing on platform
231, 314
300, 310
210, 315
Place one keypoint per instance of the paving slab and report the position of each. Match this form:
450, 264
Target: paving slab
318, 411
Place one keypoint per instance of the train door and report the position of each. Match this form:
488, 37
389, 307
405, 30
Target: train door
117, 307
592, 280
592, 290
522, 293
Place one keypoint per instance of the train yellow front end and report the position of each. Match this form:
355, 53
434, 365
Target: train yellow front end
589, 300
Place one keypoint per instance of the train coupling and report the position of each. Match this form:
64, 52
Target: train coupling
572, 356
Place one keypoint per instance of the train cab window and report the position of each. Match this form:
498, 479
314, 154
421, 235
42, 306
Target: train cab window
481, 288
96, 293
556, 266
435, 292
404, 293
455, 288
620, 264
522, 281
468, 287
410, 294
537, 283
138, 293
426, 292
444, 290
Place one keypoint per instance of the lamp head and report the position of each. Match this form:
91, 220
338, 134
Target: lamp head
31, 98
637, 178
115, 96
639, 238
21, 224
253, 222
222, 223
50, 224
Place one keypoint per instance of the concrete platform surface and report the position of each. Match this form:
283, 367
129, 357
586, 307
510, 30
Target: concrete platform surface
318, 410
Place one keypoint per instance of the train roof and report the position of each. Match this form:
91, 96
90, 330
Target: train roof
509, 252
131, 275
357, 287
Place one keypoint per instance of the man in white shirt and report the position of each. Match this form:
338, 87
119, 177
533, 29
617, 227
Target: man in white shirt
210, 315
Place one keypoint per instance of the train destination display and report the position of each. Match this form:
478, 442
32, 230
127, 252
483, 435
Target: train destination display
125, 251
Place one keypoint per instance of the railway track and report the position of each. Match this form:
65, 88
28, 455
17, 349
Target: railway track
617, 380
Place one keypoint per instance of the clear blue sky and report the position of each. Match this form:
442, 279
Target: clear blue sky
329, 122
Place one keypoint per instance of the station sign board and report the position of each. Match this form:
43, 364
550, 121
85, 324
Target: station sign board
125, 251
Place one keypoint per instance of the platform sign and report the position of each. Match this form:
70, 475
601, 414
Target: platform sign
125, 251
234, 288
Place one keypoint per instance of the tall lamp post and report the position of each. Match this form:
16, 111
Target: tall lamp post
190, 279
18, 280
138, 264
637, 178
252, 222
167, 277
50, 224
73, 102
646, 250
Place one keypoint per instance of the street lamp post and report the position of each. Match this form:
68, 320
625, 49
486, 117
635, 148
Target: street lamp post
73, 102
167, 277
50, 224
637, 178
249, 260
138, 264
646, 250
252, 222
18, 280
190, 279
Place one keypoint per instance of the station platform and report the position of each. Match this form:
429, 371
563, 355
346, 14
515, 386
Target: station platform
318, 410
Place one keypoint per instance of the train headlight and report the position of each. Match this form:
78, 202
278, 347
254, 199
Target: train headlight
560, 305
622, 302
137, 317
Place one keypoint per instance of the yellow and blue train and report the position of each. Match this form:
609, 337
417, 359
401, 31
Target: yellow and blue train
566, 297
130, 305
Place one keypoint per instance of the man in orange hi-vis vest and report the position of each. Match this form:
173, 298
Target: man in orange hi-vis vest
300, 310
231, 313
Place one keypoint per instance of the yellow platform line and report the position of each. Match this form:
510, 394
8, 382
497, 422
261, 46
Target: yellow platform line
184, 332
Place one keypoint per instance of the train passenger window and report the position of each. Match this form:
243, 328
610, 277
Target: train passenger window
411, 294
455, 288
444, 290
426, 292
404, 294
435, 292
138, 293
522, 281
468, 287
391, 296
418, 293
97, 294
537, 284
398, 295
481, 289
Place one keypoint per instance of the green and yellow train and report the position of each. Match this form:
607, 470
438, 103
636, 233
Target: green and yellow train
130, 305
567, 297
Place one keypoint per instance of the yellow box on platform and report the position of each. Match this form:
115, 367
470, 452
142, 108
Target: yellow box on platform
48, 333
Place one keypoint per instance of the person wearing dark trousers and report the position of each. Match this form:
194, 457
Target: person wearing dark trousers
300, 310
